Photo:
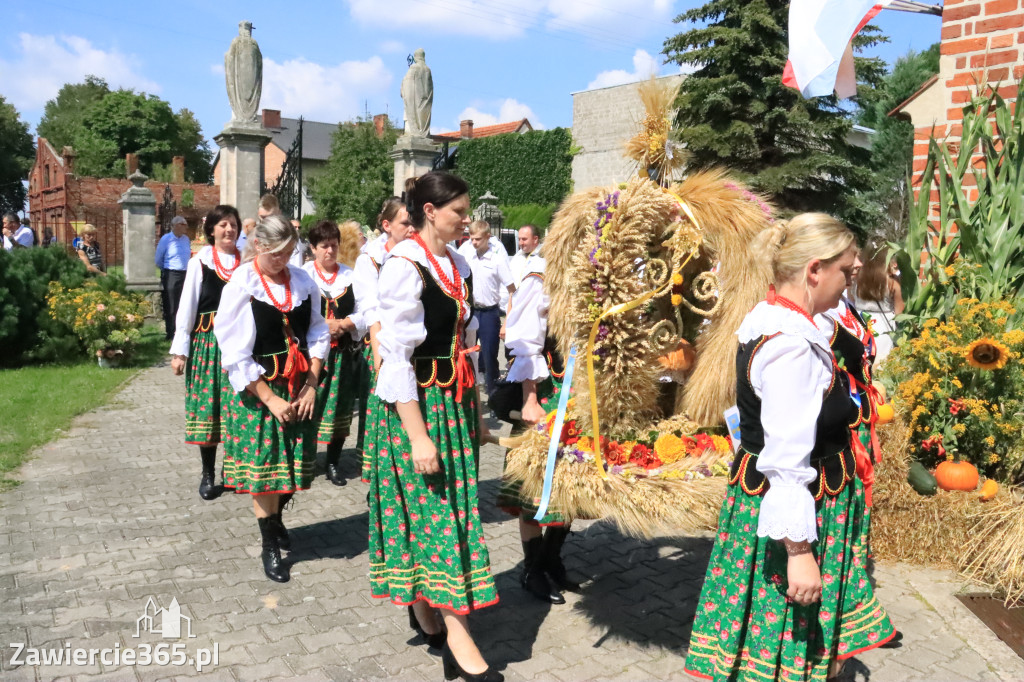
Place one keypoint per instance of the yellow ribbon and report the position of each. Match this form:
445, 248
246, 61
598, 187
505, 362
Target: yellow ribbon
615, 310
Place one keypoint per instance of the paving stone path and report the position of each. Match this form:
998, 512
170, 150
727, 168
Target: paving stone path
108, 516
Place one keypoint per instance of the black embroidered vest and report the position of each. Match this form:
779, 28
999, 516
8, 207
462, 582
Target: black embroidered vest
272, 327
434, 359
852, 356
831, 457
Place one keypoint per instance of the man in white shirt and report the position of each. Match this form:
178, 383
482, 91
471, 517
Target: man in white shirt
16, 235
519, 264
490, 276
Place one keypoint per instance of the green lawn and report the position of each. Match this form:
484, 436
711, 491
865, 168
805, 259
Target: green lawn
36, 402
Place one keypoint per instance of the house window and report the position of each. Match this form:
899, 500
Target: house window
46, 176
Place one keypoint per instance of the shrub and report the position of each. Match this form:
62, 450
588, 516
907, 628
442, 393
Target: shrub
961, 387
106, 322
26, 330
532, 168
529, 214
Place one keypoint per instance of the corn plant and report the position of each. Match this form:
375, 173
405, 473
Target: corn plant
983, 257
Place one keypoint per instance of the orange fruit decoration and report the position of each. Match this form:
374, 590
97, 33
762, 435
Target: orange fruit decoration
957, 476
885, 413
989, 490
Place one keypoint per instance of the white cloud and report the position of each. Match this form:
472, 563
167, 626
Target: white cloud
644, 66
323, 93
608, 20
508, 110
41, 64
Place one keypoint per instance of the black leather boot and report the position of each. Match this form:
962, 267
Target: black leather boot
551, 558
532, 579
273, 566
334, 474
284, 541
208, 489
452, 669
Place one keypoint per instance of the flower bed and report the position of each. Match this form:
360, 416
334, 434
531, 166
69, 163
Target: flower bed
107, 323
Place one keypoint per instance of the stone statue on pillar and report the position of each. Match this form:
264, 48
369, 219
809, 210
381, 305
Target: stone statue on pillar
418, 95
243, 71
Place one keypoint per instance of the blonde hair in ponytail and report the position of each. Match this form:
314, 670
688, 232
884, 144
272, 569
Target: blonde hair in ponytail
792, 244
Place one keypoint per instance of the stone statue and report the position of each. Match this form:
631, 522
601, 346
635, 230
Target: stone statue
243, 70
418, 95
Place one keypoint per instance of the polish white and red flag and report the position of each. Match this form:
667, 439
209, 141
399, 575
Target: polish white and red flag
820, 44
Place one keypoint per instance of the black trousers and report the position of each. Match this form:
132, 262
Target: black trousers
171, 283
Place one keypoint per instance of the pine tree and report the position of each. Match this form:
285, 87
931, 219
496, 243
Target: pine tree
734, 111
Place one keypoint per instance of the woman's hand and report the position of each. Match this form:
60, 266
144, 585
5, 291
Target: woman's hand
306, 402
178, 365
802, 574
282, 410
532, 411
424, 456
336, 327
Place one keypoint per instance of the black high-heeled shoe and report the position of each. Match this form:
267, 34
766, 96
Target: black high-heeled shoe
434, 641
452, 669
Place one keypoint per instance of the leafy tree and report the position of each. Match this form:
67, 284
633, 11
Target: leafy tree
892, 148
16, 156
63, 115
193, 146
734, 111
358, 176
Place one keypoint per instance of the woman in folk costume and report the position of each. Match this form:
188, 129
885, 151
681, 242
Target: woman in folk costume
194, 349
426, 540
273, 342
339, 305
395, 227
537, 367
786, 594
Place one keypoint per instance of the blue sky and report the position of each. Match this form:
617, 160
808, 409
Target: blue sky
332, 60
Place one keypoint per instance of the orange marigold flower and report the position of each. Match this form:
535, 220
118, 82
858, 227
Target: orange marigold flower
669, 448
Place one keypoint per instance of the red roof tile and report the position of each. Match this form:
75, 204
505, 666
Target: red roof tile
487, 131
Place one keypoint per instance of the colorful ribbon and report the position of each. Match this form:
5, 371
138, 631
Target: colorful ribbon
556, 436
295, 365
464, 377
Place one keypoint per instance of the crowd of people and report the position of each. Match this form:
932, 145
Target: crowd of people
278, 353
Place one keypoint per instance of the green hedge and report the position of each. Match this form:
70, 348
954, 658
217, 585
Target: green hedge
538, 215
27, 332
531, 168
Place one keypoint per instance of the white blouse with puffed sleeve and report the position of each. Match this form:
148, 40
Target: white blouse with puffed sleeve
345, 278
235, 327
188, 307
400, 313
790, 374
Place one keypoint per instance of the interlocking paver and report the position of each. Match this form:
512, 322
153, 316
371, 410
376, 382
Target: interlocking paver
108, 516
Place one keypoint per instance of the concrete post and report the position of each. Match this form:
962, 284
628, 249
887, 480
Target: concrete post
241, 165
138, 209
413, 157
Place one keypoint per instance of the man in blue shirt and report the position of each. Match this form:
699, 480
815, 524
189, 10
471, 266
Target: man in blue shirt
172, 254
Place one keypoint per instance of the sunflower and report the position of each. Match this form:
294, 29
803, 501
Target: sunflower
987, 353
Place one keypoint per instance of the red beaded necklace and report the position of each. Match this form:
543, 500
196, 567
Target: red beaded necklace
222, 272
328, 282
775, 299
454, 289
287, 305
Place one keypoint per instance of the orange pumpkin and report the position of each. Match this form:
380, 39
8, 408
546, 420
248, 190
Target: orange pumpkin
885, 413
679, 360
957, 476
989, 490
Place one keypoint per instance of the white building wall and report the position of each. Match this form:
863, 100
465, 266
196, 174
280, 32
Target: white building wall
602, 121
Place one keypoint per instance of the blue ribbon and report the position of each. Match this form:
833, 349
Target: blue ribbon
556, 434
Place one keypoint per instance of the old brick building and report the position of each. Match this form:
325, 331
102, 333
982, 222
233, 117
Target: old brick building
982, 44
60, 202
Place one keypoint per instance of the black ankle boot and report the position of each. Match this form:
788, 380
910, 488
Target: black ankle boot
532, 578
284, 541
452, 669
208, 489
551, 558
434, 641
273, 566
334, 474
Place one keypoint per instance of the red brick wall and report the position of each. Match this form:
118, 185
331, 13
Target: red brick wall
983, 43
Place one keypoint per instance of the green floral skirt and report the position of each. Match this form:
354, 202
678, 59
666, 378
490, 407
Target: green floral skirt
426, 539
206, 389
374, 413
261, 455
335, 396
510, 497
745, 629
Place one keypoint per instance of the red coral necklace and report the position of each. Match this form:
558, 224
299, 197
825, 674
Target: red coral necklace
454, 289
287, 305
328, 282
775, 299
222, 272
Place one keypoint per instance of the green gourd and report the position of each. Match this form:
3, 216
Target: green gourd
922, 480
